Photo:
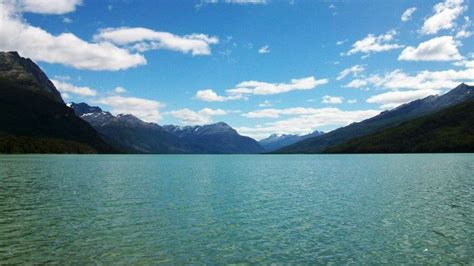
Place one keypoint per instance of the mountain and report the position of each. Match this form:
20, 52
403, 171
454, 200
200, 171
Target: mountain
26, 74
130, 134
33, 116
384, 120
448, 130
215, 138
127, 132
275, 141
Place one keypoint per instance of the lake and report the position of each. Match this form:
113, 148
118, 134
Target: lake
176, 209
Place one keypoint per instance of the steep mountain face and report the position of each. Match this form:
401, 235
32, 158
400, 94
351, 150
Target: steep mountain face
27, 75
215, 138
448, 130
33, 116
384, 120
274, 141
133, 135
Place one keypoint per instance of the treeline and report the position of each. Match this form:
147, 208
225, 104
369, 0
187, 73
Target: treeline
18, 144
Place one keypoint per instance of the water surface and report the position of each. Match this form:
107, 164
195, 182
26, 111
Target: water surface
237, 209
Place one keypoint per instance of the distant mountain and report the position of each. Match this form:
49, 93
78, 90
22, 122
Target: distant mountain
130, 134
448, 130
33, 116
215, 138
275, 141
384, 120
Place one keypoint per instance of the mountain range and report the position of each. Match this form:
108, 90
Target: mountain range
35, 119
132, 135
382, 121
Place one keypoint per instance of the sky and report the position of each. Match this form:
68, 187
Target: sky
262, 66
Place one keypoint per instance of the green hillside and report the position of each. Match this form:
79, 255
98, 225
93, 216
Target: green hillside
449, 130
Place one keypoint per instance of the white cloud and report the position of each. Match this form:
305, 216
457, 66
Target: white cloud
209, 95
266, 103
357, 83
375, 44
408, 87
464, 31
444, 16
65, 48
406, 16
56, 7
442, 48
332, 99
67, 88
120, 90
354, 70
143, 39
67, 20
465, 63
204, 116
264, 49
393, 99
304, 120
147, 110
341, 42
266, 88
423, 80
243, 89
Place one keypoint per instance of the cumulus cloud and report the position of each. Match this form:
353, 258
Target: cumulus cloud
243, 89
357, 84
209, 95
112, 49
302, 120
68, 88
442, 48
46, 7
408, 87
423, 80
393, 99
204, 116
145, 109
332, 99
445, 14
66, 48
375, 44
406, 16
264, 49
266, 88
354, 70
143, 39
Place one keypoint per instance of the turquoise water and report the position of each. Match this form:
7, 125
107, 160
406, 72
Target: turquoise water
237, 209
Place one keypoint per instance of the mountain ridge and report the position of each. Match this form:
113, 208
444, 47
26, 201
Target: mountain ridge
383, 120
33, 116
448, 130
136, 136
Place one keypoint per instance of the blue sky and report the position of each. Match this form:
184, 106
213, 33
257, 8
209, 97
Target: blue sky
261, 66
